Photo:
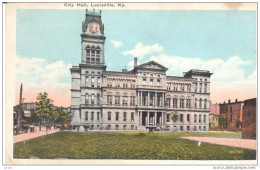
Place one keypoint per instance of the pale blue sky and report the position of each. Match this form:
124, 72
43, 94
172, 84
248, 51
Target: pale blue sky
54, 35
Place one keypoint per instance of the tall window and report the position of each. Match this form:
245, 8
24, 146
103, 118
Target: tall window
200, 87
132, 100
205, 103
86, 115
117, 116
199, 118
98, 99
124, 116
188, 101
196, 87
168, 118
109, 116
205, 88
204, 118
98, 115
125, 100
188, 117
195, 118
181, 118
92, 115
168, 101
182, 103
195, 104
92, 81
175, 101
109, 99
98, 82
117, 99
92, 99
87, 99
132, 116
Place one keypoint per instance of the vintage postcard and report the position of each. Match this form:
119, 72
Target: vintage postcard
130, 83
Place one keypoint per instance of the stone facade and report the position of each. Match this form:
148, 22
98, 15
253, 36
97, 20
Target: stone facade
249, 119
135, 99
234, 112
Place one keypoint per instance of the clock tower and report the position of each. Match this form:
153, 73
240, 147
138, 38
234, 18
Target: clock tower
87, 77
93, 39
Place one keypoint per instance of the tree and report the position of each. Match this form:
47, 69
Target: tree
64, 117
174, 116
223, 119
45, 110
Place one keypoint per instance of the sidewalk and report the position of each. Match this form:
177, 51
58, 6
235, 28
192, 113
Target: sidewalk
29, 135
234, 142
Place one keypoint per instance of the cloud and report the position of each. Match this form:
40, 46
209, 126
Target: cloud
229, 76
141, 50
117, 44
37, 75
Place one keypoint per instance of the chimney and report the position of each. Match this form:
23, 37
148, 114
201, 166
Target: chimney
229, 101
236, 100
135, 62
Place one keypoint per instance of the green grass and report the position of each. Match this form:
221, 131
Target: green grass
128, 146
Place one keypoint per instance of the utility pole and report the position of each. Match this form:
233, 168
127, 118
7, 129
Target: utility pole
20, 109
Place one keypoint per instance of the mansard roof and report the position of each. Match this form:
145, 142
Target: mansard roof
151, 65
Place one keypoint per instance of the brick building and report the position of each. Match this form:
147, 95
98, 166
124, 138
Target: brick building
249, 119
233, 112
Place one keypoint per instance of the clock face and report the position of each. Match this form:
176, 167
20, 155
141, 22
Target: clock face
93, 27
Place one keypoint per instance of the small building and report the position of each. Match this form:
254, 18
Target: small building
233, 112
213, 116
28, 113
249, 119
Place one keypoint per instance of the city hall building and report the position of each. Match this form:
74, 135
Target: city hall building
133, 100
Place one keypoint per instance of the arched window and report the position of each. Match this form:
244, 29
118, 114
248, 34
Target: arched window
98, 99
117, 99
88, 54
188, 102
175, 102
125, 99
195, 104
168, 100
132, 100
182, 102
98, 52
109, 98
205, 103
92, 99
86, 115
109, 116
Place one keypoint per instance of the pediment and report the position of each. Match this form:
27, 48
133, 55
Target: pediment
152, 65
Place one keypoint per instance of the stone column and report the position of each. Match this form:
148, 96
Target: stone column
148, 100
148, 115
141, 99
155, 99
162, 99
155, 118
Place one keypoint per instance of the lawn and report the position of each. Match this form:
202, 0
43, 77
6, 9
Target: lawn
123, 145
